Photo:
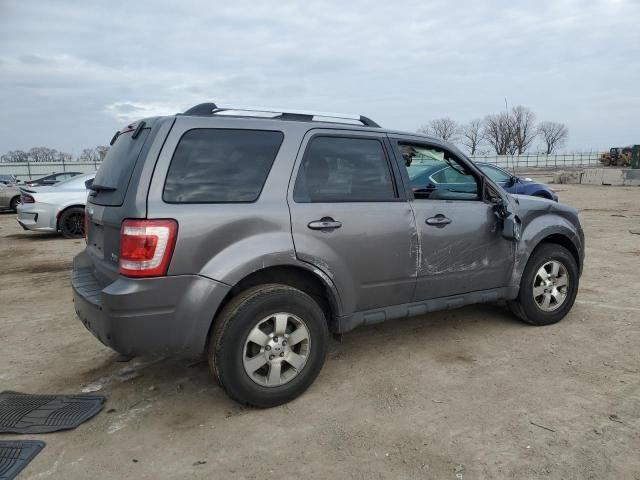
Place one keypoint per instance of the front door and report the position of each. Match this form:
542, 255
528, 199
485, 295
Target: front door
350, 219
462, 249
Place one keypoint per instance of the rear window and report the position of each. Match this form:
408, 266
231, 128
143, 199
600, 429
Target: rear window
117, 167
221, 165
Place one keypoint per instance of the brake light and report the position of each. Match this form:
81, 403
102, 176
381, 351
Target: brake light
146, 247
24, 198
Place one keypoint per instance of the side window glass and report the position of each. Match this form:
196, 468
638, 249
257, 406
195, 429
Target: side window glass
342, 169
495, 174
220, 165
436, 174
449, 175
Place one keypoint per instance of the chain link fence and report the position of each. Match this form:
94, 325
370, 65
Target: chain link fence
541, 160
31, 170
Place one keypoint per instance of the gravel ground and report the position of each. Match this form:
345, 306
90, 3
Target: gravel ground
471, 393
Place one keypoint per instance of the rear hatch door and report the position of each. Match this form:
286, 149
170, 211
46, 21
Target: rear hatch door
108, 203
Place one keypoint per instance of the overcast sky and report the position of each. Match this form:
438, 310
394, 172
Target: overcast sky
72, 73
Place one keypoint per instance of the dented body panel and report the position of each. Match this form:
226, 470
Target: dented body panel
468, 255
542, 219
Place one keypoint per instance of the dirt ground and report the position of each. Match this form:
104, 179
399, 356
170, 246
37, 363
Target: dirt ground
454, 394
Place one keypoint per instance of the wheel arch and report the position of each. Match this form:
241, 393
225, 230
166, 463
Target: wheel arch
542, 194
312, 282
564, 241
537, 233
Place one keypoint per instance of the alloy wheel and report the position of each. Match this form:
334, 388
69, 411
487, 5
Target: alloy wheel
276, 349
551, 286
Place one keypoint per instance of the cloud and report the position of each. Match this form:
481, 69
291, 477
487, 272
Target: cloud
128, 111
73, 73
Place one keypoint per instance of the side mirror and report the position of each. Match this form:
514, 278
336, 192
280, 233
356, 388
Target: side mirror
511, 228
511, 224
88, 183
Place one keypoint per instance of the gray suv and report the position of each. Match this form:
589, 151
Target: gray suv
250, 235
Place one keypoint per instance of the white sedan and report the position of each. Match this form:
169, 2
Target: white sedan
57, 208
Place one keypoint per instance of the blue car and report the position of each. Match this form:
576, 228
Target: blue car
428, 178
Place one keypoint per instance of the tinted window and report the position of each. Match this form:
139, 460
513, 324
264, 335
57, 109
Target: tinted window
215, 165
338, 169
495, 174
117, 167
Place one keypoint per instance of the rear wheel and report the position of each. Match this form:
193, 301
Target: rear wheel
13, 205
71, 222
548, 286
268, 345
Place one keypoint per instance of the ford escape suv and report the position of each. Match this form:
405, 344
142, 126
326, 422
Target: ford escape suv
251, 235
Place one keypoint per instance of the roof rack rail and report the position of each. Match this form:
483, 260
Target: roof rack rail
206, 109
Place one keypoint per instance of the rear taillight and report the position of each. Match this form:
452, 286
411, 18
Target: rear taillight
146, 247
24, 198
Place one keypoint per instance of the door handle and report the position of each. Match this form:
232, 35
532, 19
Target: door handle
325, 223
439, 221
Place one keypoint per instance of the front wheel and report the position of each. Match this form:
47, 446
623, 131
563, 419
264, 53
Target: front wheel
268, 345
548, 287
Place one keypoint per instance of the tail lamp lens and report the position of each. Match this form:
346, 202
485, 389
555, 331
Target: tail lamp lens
24, 198
146, 247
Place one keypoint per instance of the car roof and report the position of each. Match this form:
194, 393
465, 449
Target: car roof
288, 116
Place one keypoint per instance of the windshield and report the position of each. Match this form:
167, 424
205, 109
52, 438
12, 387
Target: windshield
75, 182
415, 171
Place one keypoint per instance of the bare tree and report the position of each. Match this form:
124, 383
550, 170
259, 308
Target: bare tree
88, 155
554, 135
42, 154
444, 128
523, 128
497, 132
472, 135
102, 150
63, 157
15, 156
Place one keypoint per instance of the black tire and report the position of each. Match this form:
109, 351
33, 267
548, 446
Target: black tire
71, 223
525, 306
13, 205
238, 318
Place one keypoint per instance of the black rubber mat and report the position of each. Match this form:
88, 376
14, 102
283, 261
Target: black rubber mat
24, 413
14, 456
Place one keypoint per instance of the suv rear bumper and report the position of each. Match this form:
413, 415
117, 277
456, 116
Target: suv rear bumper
149, 315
